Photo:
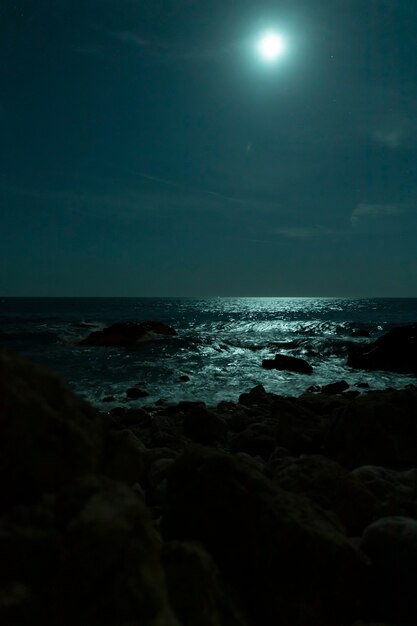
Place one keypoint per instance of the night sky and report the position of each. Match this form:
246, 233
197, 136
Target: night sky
148, 150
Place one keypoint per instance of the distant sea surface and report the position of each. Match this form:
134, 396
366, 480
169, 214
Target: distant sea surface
220, 344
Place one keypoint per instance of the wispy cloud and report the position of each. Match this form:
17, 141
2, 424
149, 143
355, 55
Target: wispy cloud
392, 139
376, 211
163, 51
304, 233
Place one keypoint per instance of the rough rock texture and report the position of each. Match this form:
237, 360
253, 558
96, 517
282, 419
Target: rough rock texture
395, 492
198, 593
391, 545
379, 428
330, 486
48, 436
127, 334
288, 363
86, 495
111, 572
338, 387
396, 351
290, 562
203, 425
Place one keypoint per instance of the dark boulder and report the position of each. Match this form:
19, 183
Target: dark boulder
299, 426
48, 435
127, 334
289, 561
338, 387
379, 428
396, 351
256, 440
111, 571
287, 363
391, 545
134, 393
394, 491
360, 332
198, 592
204, 425
329, 485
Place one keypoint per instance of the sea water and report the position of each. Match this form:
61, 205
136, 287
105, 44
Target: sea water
220, 344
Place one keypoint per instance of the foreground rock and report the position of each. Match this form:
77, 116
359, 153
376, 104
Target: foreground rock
48, 436
119, 519
330, 486
197, 589
391, 545
287, 363
379, 428
396, 351
288, 560
127, 334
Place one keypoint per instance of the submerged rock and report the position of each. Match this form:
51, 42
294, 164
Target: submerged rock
288, 363
396, 351
338, 387
127, 334
134, 393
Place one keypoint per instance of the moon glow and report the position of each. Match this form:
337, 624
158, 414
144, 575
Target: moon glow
271, 46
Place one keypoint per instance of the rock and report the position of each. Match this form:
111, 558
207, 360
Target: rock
108, 399
378, 428
360, 332
334, 388
256, 440
29, 546
111, 571
136, 418
288, 363
127, 334
182, 407
299, 428
48, 436
289, 561
203, 425
125, 457
183, 378
391, 545
313, 389
330, 486
396, 351
199, 595
157, 480
395, 492
133, 393
255, 396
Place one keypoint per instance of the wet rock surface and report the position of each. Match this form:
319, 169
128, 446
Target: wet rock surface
127, 334
271, 510
396, 351
288, 363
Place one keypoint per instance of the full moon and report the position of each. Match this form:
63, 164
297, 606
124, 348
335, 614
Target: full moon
271, 46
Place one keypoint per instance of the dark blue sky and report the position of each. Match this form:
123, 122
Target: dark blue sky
146, 150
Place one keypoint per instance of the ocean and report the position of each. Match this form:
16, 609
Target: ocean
220, 343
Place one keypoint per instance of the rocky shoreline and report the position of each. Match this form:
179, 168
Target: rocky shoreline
271, 510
